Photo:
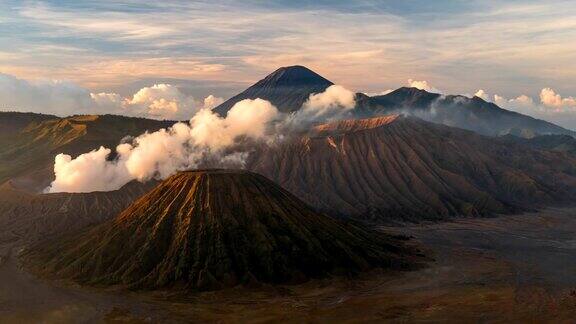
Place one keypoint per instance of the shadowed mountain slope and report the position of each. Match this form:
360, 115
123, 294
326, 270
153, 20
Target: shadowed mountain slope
31, 217
457, 111
286, 88
404, 168
216, 228
556, 143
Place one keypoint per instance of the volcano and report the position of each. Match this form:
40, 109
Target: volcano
402, 168
286, 88
216, 228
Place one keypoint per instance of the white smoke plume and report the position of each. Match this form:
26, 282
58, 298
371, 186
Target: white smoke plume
206, 139
336, 102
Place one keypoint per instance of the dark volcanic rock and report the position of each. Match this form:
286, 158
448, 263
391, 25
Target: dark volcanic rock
216, 228
286, 88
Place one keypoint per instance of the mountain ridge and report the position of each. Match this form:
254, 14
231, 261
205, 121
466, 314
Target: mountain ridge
289, 87
474, 113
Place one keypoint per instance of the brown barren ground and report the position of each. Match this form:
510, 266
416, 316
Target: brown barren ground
499, 270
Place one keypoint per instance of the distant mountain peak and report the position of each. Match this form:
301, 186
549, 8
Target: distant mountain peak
287, 88
411, 90
295, 73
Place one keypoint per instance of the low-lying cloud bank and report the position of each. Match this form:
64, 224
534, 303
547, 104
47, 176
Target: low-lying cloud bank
207, 140
61, 98
550, 106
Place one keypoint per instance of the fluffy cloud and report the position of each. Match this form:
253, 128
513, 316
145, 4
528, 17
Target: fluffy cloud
551, 107
162, 101
164, 152
521, 101
248, 118
550, 98
482, 94
90, 170
550, 101
207, 140
211, 101
336, 102
422, 85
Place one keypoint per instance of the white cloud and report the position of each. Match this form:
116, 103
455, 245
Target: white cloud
551, 107
162, 101
211, 101
550, 102
522, 101
164, 152
482, 94
246, 118
90, 170
550, 98
422, 85
221, 141
336, 102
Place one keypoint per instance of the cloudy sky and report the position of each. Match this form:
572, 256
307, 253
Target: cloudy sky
76, 56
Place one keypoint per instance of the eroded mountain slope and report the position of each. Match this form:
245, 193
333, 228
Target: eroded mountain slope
403, 168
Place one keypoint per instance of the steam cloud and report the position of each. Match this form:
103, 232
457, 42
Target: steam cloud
207, 138
336, 102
